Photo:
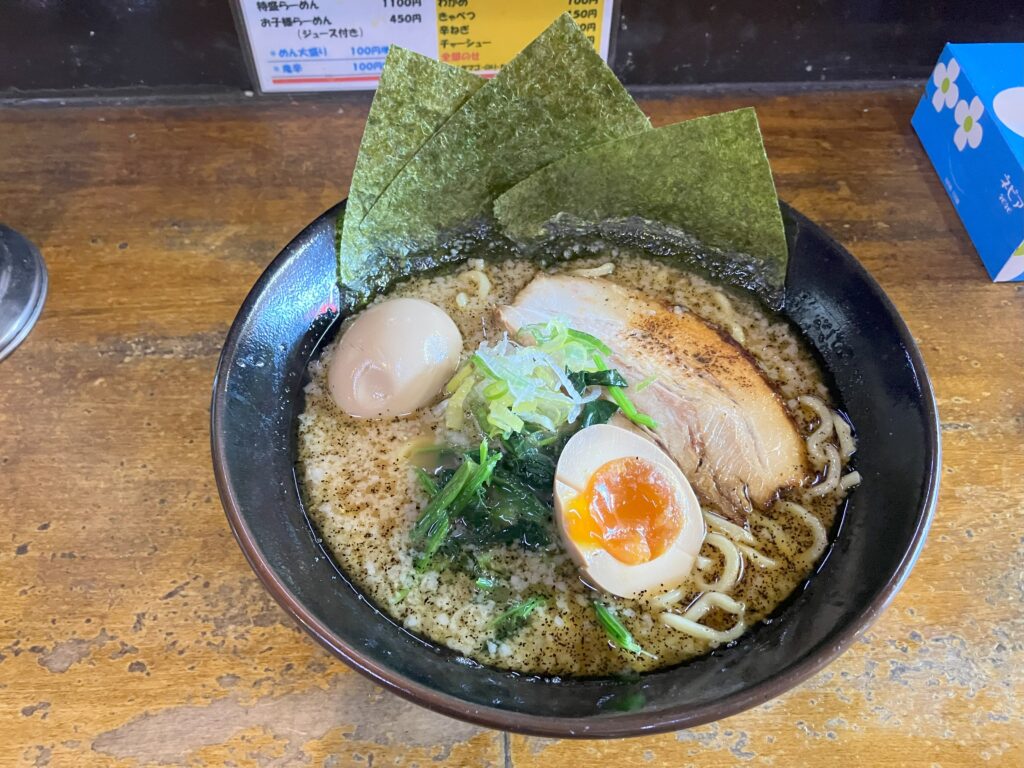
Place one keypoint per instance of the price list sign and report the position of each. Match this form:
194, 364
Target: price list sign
339, 45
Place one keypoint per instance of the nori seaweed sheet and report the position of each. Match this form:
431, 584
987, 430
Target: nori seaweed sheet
416, 95
555, 97
549, 159
707, 178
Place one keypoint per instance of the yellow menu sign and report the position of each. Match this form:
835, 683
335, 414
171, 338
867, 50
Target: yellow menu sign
331, 45
481, 35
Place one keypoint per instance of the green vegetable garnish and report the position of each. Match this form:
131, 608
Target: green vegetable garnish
533, 455
434, 525
482, 475
575, 348
625, 404
460, 376
629, 410
453, 415
539, 386
597, 412
426, 481
616, 630
401, 594
630, 701
510, 513
515, 618
609, 378
484, 582
524, 386
435, 514
645, 384
587, 340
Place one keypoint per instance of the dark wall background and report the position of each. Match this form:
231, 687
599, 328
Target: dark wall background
66, 44
683, 41
192, 45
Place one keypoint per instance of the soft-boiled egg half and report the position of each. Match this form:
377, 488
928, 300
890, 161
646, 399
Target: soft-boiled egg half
394, 358
626, 513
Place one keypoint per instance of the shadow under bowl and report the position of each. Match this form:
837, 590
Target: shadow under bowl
877, 373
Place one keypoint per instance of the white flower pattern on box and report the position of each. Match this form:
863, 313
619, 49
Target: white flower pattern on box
968, 131
1014, 268
946, 90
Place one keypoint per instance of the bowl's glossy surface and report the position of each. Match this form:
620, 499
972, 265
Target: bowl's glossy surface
880, 379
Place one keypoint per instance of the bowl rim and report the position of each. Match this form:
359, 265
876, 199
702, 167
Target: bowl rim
612, 726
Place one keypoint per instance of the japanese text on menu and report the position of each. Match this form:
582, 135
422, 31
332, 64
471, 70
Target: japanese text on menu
321, 45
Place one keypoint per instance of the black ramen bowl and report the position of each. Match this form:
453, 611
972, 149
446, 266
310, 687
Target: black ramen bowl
875, 368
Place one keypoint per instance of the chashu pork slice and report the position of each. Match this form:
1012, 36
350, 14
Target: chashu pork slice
718, 417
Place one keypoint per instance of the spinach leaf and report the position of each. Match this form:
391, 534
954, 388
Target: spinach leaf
434, 522
609, 378
509, 513
515, 618
533, 456
597, 412
462, 490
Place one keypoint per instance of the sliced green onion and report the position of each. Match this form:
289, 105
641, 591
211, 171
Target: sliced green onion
629, 410
495, 390
459, 377
504, 420
616, 630
549, 333
588, 340
484, 582
453, 415
482, 366
527, 385
645, 384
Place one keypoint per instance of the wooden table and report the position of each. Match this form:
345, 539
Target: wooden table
132, 632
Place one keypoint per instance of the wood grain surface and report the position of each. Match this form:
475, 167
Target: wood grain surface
132, 631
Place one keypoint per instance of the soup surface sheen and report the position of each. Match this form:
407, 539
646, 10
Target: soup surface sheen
361, 491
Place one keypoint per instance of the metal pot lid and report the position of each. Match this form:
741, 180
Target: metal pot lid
22, 288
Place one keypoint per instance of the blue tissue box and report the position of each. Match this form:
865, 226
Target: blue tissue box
971, 123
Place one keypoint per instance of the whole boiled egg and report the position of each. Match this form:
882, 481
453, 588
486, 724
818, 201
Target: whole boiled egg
626, 513
394, 358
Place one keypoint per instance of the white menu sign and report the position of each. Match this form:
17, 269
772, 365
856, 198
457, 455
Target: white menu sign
330, 45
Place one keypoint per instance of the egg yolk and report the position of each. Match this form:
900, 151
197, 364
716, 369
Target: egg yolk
628, 509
